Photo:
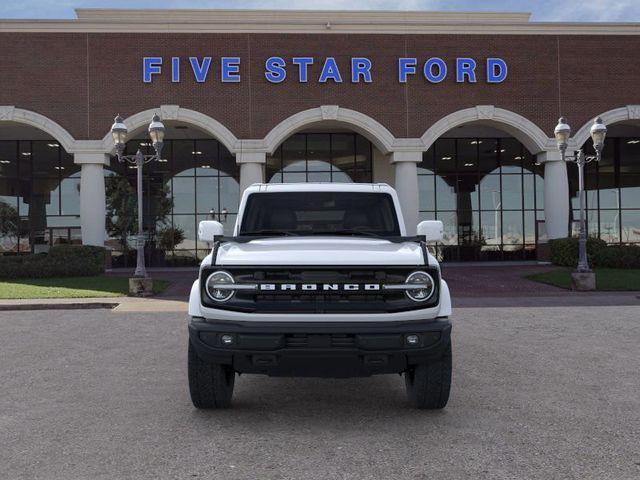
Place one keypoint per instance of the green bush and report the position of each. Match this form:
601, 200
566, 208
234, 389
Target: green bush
61, 261
618, 256
564, 251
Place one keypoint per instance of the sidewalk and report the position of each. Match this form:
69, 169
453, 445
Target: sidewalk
471, 286
116, 304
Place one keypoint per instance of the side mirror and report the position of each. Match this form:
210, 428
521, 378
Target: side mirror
209, 229
431, 230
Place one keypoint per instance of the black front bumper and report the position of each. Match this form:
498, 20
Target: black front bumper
319, 349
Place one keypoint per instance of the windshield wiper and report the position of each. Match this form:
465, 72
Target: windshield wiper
286, 233
352, 231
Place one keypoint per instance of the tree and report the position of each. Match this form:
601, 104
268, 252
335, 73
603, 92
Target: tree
9, 221
122, 209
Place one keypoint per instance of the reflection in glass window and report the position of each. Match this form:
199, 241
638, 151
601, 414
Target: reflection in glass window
612, 190
201, 179
630, 224
610, 225
321, 157
39, 195
426, 187
489, 194
512, 192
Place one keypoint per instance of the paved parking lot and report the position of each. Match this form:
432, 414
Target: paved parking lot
538, 393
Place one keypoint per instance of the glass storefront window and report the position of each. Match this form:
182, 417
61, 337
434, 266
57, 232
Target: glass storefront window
512, 192
319, 152
612, 191
321, 157
488, 193
39, 195
630, 225
200, 181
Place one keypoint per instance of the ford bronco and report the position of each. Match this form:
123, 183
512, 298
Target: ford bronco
319, 280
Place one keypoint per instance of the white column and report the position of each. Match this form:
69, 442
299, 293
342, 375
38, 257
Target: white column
251, 168
556, 194
92, 197
406, 184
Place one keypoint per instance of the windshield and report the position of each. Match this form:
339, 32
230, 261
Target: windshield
320, 213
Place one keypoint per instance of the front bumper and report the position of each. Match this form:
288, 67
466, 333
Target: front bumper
319, 349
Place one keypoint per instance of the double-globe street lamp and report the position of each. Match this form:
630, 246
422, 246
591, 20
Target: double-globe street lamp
119, 133
562, 133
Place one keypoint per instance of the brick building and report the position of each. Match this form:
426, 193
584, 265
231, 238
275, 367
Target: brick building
456, 110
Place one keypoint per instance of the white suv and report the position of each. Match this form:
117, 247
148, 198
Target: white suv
319, 280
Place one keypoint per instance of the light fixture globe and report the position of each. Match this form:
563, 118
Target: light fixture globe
119, 133
562, 133
156, 132
598, 133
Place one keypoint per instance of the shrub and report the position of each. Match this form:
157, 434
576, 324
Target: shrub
169, 237
564, 251
618, 256
61, 261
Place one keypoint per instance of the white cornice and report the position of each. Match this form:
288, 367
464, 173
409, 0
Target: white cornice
297, 21
296, 16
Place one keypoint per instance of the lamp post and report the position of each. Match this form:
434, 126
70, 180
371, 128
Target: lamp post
562, 133
119, 133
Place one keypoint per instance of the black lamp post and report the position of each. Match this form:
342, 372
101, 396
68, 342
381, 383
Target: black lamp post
156, 132
598, 133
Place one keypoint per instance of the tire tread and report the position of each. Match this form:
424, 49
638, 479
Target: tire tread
210, 384
429, 384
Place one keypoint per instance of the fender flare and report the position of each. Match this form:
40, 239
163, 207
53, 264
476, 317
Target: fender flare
194, 300
445, 300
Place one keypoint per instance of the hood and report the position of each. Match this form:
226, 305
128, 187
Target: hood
320, 251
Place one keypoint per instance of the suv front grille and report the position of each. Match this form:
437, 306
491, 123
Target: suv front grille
321, 300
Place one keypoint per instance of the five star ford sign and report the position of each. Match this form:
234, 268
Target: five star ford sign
305, 69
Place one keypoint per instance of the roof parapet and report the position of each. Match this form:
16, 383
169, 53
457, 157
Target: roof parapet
298, 16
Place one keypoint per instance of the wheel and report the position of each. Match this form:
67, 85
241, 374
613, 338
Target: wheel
428, 384
210, 384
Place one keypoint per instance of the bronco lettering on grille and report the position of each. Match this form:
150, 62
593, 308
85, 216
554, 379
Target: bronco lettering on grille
311, 287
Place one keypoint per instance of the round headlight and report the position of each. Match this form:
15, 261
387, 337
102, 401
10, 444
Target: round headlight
215, 286
426, 289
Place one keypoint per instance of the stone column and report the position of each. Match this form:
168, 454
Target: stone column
406, 184
92, 197
556, 194
251, 168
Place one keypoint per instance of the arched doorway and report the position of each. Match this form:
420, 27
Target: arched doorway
197, 179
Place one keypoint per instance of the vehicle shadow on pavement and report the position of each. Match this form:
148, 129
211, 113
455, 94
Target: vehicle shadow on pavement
317, 399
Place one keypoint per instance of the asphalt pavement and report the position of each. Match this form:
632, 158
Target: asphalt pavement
538, 393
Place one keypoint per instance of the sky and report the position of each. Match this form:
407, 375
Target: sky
542, 10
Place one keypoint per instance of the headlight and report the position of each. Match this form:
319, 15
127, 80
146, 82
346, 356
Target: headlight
215, 286
425, 283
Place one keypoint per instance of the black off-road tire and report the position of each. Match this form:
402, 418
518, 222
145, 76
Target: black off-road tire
428, 384
210, 384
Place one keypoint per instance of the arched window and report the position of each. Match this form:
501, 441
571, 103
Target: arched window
200, 180
489, 194
321, 157
612, 188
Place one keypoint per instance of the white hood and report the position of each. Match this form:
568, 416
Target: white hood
321, 251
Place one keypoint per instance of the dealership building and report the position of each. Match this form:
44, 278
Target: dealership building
455, 110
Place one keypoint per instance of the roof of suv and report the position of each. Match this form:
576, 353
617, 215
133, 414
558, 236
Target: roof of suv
319, 187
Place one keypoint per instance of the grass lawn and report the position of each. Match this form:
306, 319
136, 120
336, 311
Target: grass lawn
607, 279
72, 287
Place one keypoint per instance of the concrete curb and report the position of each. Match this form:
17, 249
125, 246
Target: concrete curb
11, 307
